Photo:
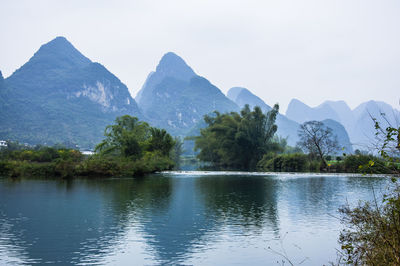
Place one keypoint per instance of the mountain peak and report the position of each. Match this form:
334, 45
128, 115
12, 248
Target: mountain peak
171, 57
295, 103
174, 66
61, 40
242, 96
1, 76
60, 53
234, 92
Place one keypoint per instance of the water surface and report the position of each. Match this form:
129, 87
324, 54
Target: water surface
189, 218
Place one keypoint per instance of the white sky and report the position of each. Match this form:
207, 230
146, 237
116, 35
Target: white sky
312, 50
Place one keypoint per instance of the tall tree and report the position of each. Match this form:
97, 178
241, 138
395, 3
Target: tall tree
317, 139
235, 140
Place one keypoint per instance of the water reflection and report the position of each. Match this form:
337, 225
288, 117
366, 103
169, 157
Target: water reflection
171, 218
248, 201
56, 221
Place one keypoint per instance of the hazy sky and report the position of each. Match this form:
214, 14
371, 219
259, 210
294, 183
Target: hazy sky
312, 50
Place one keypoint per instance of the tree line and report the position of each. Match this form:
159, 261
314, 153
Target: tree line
247, 141
130, 148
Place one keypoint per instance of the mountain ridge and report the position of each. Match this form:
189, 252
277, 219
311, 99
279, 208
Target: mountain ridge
61, 95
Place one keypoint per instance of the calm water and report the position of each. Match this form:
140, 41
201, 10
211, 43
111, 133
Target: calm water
177, 218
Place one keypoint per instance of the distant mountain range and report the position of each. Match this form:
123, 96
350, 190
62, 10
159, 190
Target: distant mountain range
60, 96
358, 122
288, 128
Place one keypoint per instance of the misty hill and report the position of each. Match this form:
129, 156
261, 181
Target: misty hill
364, 127
342, 112
301, 112
358, 122
242, 96
61, 96
174, 97
286, 127
342, 136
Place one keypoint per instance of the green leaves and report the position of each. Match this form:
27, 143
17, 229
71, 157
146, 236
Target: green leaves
237, 141
129, 137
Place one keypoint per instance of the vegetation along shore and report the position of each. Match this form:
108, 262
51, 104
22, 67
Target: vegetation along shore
130, 148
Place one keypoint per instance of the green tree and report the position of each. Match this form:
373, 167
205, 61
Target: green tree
129, 137
160, 141
125, 138
237, 141
177, 152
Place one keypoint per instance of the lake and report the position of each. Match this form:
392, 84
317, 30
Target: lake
185, 218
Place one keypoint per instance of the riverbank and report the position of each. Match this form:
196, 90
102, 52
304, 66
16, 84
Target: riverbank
69, 163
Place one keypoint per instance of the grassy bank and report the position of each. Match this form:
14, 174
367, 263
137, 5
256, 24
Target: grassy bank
67, 163
297, 162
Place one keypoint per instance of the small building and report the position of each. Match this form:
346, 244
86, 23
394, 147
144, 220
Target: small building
3, 143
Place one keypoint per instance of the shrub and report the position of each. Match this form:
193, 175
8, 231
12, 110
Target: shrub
284, 163
365, 164
372, 235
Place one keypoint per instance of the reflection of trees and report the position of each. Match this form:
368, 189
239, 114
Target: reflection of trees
81, 220
321, 195
175, 231
69, 221
249, 201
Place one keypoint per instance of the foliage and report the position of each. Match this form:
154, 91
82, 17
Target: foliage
367, 164
237, 141
160, 141
130, 148
116, 166
177, 152
295, 162
317, 139
372, 233
129, 137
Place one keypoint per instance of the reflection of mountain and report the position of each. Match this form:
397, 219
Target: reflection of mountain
174, 231
57, 224
247, 200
